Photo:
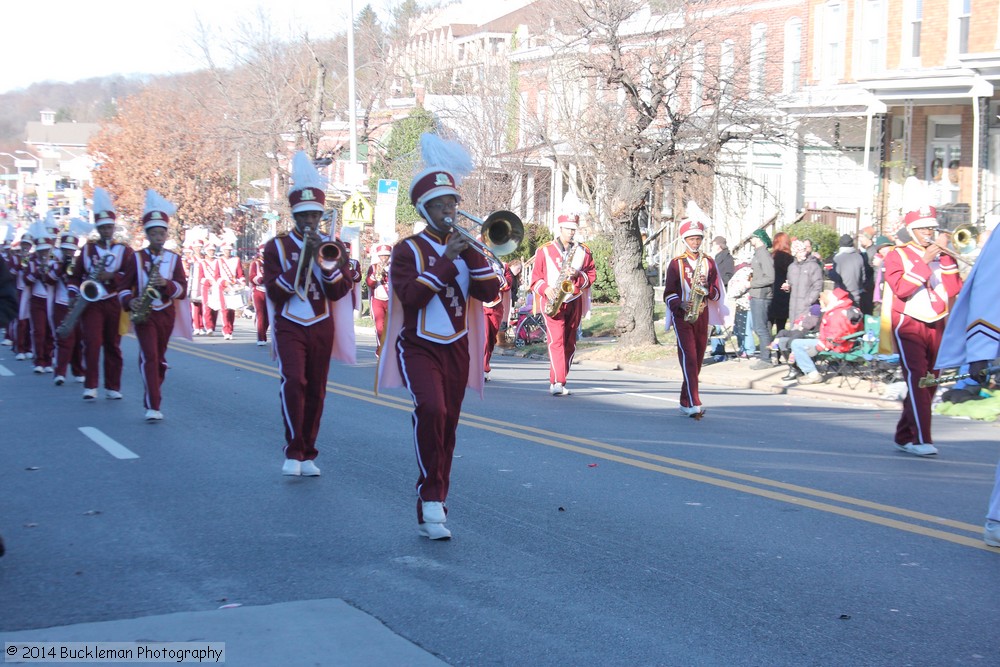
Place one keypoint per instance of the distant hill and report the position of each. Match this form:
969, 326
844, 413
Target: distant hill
87, 101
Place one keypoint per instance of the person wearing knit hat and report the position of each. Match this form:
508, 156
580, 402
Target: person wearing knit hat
694, 294
255, 278
99, 265
377, 279
761, 293
153, 289
310, 318
561, 280
920, 282
40, 284
435, 333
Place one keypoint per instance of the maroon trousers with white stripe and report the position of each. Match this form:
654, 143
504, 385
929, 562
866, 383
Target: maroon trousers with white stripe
100, 322
304, 362
260, 314
561, 331
69, 348
41, 332
154, 335
917, 343
692, 340
436, 376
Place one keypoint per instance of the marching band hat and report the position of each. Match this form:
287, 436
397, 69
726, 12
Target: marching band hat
38, 231
432, 183
691, 228
921, 218
383, 249
69, 242
569, 221
157, 211
104, 210
308, 189
445, 164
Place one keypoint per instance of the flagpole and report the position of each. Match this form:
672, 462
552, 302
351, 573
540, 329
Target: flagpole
352, 105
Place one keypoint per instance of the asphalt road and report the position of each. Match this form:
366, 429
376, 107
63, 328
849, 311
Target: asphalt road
596, 529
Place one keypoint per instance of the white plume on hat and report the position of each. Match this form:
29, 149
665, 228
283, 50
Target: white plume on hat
227, 237
305, 174
156, 203
6, 233
80, 227
571, 205
451, 156
194, 235
39, 231
694, 213
51, 224
916, 194
102, 201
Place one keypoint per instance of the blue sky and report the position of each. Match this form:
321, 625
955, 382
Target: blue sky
75, 40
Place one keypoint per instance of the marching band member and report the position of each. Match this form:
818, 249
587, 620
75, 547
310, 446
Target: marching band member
692, 277
101, 261
196, 280
919, 282
310, 318
378, 291
259, 294
21, 327
211, 297
153, 289
496, 312
228, 279
435, 330
971, 337
563, 262
69, 347
40, 285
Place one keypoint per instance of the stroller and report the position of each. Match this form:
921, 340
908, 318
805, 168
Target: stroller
525, 328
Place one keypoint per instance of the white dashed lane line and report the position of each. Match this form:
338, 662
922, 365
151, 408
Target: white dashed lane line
6, 372
111, 446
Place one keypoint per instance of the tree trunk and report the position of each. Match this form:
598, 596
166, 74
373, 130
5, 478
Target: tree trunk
634, 326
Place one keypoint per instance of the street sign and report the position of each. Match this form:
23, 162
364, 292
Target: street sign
357, 211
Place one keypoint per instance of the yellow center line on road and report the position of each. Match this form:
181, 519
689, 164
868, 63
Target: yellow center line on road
656, 463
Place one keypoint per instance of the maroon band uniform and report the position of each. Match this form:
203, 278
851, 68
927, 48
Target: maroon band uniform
692, 337
259, 295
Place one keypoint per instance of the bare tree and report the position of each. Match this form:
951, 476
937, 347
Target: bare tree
645, 102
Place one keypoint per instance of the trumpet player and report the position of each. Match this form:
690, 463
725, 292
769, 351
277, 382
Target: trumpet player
310, 318
563, 269
920, 281
692, 291
99, 266
40, 284
435, 331
377, 280
153, 287
19, 329
69, 347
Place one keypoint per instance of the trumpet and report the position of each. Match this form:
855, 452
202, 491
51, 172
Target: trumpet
502, 233
329, 254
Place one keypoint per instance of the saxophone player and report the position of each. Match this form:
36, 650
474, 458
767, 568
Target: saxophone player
692, 291
378, 291
153, 288
564, 269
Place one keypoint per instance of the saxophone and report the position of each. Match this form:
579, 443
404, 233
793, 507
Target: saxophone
565, 285
90, 290
149, 295
696, 298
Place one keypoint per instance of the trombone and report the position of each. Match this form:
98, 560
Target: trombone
502, 233
330, 255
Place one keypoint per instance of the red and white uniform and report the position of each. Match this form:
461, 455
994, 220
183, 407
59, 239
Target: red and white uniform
198, 291
228, 275
692, 337
378, 298
154, 333
496, 312
306, 333
21, 334
69, 348
917, 294
210, 316
41, 286
563, 327
101, 319
259, 296
434, 342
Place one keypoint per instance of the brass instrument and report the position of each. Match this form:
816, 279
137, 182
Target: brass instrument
149, 295
329, 254
564, 283
502, 232
90, 290
695, 304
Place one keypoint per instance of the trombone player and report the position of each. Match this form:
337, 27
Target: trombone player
378, 291
310, 318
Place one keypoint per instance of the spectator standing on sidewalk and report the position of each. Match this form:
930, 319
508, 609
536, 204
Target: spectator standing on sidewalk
781, 247
850, 270
761, 293
738, 292
804, 280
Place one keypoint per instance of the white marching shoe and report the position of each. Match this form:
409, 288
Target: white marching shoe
113, 395
89, 394
691, 411
39, 370
435, 531
309, 469
227, 336
79, 379
58, 380
558, 389
433, 511
292, 467
20, 356
153, 415
261, 343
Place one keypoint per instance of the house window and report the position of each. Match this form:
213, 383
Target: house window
828, 53
697, 76
758, 57
791, 71
871, 47
914, 28
964, 18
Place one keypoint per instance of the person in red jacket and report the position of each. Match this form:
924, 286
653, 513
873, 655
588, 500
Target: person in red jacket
690, 271
840, 319
920, 281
